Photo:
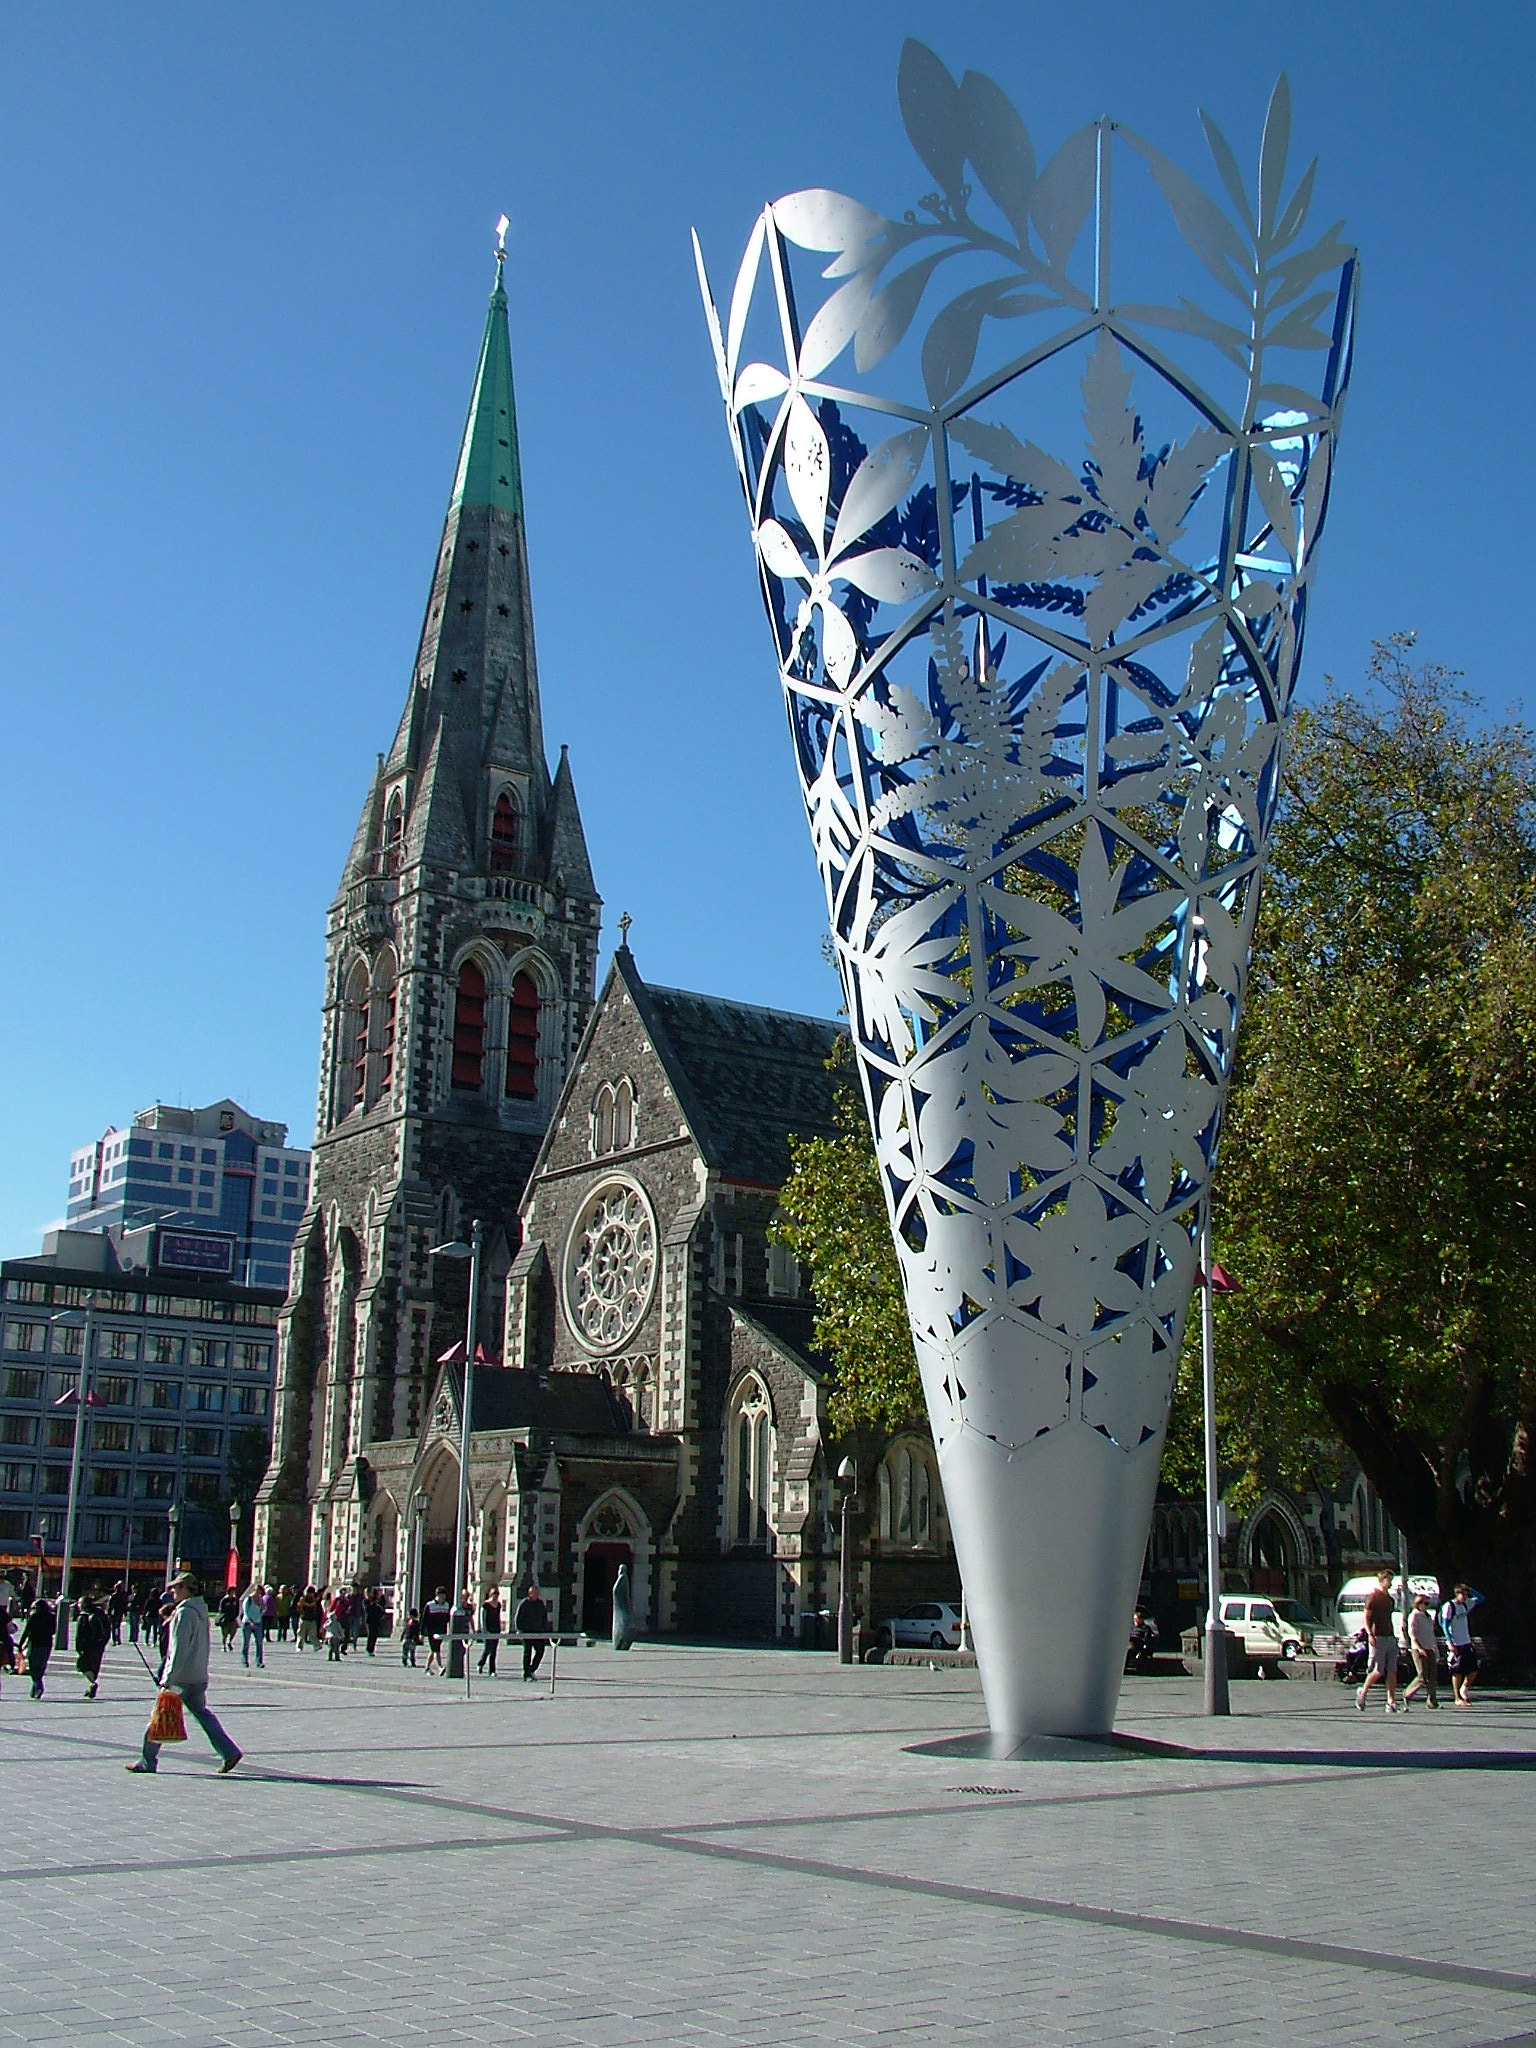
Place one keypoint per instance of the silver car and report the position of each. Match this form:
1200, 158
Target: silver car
931, 1625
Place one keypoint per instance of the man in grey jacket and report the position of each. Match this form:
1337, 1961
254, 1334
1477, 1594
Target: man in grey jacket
185, 1670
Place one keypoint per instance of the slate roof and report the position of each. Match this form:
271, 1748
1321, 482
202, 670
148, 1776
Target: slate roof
790, 1325
747, 1078
578, 1403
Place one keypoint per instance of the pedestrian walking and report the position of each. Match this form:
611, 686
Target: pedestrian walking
336, 1626
434, 1622
1456, 1615
1419, 1636
253, 1628
308, 1608
284, 1605
374, 1617
7, 1639
135, 1612
268, 1613
37, 1642
532, 1623
93, 1632
229, 1619
410, 1637
490, 1630
184, 1670
117, 1607
1382, 1654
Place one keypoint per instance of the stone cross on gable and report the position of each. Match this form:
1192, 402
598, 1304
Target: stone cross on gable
624, 924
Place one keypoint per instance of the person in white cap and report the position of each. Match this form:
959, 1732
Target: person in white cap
185, 1670
1419, 1633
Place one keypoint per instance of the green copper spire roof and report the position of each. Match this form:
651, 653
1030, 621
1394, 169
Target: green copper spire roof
489, 471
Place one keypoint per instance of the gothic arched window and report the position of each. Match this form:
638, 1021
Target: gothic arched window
384, 995
394, 820
523, 1039
751, 1460
623, 1116
352, 1072
908, 1489
469, 1027
602, 1121
504, 836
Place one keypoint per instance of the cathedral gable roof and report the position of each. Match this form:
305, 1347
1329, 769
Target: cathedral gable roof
747, 1079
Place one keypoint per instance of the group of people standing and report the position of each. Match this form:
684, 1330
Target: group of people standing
338, 1615
433, 1624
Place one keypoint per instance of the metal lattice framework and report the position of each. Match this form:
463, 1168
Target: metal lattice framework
1037, 702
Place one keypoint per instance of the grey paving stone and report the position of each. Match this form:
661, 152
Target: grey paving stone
702, 1847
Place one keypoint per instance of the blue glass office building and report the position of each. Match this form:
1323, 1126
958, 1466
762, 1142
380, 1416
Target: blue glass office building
216, 1169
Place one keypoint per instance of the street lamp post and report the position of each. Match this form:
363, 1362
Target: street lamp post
461, 1621
1217, 1697
848, 1481
172, 1521
82, 1399
421, 1537
234, 1543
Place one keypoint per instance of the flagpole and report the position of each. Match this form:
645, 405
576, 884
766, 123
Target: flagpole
1217, 1698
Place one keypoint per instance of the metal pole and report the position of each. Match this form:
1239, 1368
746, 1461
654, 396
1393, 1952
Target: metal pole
420, 1535
845, 1580
82, 1416
1217, 1698
461, 1531
172, 1517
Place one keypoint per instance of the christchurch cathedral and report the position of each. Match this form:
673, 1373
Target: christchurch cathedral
652, 1394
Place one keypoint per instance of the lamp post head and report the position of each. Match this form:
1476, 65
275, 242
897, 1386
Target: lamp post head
847, 1475
234, 1516
454, 1249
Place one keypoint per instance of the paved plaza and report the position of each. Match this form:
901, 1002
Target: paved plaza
707, 1846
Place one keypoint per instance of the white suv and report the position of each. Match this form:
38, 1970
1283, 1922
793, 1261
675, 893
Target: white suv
1266, 1638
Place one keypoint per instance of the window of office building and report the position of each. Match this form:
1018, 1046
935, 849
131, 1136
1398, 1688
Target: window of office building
20, 1385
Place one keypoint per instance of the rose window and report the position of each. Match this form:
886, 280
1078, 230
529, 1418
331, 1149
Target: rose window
610, 1266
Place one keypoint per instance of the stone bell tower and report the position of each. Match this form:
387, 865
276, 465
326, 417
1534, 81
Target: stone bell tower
461, 954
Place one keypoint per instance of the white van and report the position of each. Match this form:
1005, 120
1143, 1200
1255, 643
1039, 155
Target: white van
1349, 1609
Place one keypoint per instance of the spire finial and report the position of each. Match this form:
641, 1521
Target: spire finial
624, 924
501, 246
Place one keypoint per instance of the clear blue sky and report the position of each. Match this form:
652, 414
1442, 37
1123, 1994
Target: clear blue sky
244, 256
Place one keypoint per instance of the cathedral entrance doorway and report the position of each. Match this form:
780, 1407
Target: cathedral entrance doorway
437, 1567
601, 1569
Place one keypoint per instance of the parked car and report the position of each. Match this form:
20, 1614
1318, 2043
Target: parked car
1309, 1630
1266, 1639
931, 1625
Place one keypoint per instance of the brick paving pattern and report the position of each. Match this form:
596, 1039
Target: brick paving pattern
704, 1847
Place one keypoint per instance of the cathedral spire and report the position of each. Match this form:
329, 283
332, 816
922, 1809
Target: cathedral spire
476, 673
489, 471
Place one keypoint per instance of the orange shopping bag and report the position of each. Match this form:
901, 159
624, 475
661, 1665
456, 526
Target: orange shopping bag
167, 1723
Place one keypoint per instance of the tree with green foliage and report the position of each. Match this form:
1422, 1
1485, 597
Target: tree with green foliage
1373, 1196
1376, 1166
832, 1217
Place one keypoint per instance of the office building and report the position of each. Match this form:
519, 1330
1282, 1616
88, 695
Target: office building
217, 1169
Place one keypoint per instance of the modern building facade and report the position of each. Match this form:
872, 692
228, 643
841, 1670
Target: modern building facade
180, 1376
215, 1169
461, 954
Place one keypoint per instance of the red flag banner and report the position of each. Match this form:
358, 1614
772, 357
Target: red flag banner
232, 1571
1221, 1280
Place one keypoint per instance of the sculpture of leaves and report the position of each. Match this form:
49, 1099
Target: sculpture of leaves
1037, 695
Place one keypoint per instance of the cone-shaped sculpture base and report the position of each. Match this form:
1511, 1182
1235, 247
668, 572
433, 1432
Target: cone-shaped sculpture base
1050, 1539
